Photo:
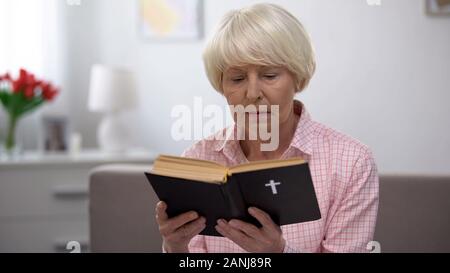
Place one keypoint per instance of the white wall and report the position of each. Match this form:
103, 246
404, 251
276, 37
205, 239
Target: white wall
383, 74
32, 37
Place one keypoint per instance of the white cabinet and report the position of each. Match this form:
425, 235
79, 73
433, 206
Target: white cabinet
44, 199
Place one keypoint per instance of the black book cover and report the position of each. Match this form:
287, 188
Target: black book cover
286, 193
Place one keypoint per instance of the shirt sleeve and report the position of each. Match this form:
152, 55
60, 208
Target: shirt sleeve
352, 225
198, 245
290, 249
191, 152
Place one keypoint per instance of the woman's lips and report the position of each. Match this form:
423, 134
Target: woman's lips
258, 113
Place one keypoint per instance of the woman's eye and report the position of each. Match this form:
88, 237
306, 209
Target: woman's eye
236, 80
270, 76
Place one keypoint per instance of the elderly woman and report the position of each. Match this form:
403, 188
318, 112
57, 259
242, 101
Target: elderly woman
262, 56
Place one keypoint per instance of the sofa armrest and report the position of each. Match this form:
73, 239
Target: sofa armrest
121, 210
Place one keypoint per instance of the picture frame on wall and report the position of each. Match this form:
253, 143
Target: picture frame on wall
437, 7
170, 20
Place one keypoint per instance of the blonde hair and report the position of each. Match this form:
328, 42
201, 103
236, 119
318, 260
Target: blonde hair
262, 34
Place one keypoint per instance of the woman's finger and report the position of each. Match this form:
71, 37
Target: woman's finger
161, 215
263, 218
247, 228
180, 220
235, 235
191, 229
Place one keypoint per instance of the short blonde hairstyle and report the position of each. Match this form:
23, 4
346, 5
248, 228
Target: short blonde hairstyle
262, 34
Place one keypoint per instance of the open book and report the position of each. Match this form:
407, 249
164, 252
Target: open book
282, 188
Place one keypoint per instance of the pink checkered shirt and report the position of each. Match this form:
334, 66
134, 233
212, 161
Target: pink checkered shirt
345, 178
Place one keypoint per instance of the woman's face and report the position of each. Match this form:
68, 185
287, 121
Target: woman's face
260, 85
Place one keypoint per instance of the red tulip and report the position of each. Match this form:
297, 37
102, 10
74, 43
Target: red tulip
23, 74
29, 92
44, 87
30, 79
5, 77
49, 91
27, 83
17, 85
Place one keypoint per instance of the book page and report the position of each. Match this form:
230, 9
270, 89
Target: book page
266, 164
188, 168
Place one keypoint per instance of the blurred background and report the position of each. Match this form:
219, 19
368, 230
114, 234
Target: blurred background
382, 77
383, 70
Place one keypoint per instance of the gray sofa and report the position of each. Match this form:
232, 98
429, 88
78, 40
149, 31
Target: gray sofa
414, 212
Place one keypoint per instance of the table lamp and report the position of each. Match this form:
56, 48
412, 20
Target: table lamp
112, 91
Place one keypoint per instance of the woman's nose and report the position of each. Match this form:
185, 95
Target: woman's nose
253, 89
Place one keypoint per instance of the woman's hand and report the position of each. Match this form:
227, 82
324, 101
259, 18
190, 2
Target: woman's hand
266, 239
178, 231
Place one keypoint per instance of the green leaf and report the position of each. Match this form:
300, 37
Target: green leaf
31, 105
15, 103
4, 99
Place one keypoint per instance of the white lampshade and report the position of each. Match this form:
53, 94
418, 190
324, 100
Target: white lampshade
111, 89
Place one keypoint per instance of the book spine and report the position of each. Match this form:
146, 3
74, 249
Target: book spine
234, 198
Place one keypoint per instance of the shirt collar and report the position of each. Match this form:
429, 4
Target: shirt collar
303, 136
302, 140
